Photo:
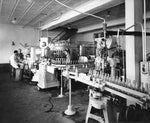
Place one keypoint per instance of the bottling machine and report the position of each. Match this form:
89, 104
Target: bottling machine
109, 85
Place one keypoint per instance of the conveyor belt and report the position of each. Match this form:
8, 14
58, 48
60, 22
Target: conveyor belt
124, 92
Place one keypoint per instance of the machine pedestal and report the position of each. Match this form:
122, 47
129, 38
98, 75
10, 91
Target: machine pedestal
70, 111
47, 77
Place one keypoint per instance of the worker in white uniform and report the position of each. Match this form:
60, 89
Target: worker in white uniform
16, 65
14, 61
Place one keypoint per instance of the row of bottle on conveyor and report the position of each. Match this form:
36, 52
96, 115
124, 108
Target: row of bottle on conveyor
63, 61
96, 76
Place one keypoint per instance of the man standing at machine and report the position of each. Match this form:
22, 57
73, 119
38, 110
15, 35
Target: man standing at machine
16, 65
14, 61
67, 53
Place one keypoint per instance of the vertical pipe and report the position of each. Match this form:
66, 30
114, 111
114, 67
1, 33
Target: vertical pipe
143, 44
104, 29
61, 91
80, 50
145, 30
70, 92
32, 54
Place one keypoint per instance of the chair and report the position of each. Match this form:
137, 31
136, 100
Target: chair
100, 103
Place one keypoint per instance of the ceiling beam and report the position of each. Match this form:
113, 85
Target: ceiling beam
65, 2
111, 23
38, 12
120, 21
13, 9
26, 11
70, 15
135, 33
1, 4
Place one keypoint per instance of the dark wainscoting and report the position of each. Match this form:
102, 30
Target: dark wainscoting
4, 67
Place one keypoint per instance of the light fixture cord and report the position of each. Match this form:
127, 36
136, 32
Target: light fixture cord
81, 12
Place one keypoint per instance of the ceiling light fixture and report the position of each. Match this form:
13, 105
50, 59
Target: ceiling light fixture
14, 21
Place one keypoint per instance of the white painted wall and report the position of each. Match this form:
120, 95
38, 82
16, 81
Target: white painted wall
9, 33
